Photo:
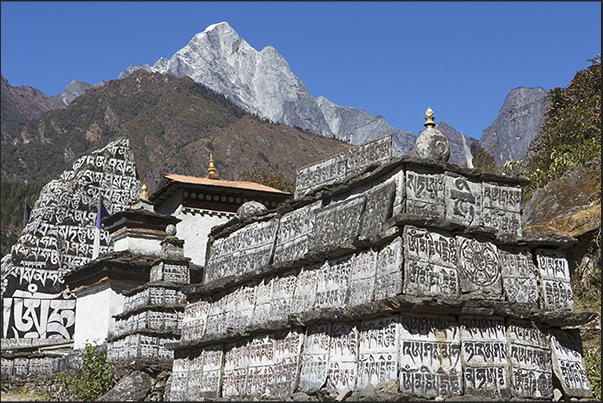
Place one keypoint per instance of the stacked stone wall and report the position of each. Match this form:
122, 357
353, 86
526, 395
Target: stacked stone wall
404, 270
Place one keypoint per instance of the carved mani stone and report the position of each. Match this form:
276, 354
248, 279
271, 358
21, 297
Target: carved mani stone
485, 357
530, 360
378, 351
362, 277
519, 277
315, 357
479, 268
463, 200
343, 357
555, 286
321, 173
425, 195
388, 282
430, 356
430, 264
568, 362
375, 151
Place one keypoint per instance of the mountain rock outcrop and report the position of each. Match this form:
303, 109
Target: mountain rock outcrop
357, 126
19, 105
260, 83
517, 124
71, 92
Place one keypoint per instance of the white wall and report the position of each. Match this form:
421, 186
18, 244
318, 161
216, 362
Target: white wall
194, 229
94, 310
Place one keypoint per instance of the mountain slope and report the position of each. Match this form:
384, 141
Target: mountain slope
174, 124
259, 82
19, 105
516, 125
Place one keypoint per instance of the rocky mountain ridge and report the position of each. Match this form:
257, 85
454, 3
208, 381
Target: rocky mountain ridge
19, 105
263, 84
516, 125
174, 125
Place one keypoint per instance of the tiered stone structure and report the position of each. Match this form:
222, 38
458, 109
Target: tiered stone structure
152, 313
382, 269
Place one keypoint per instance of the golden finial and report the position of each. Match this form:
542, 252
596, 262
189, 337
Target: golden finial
143, 194
211, 171
212, 168
429, 119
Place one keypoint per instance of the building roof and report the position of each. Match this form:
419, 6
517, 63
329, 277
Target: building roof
172, 181
219, 182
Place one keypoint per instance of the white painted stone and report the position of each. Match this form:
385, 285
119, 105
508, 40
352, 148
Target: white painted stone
463, 200
425, 194
388, 282
530, 360
430, 356
362, 277
555, 286
485, 355
378, 356
343, 357
315, 357
568, 362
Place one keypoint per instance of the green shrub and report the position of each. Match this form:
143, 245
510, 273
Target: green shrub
592, 361
93, 379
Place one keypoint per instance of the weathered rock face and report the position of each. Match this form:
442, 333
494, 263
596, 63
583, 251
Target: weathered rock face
403, 272
517, 124
571, 206
71, 92
131, 388
59, 237
259, 82
357, 126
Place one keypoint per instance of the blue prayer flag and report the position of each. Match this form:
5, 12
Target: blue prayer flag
102, 212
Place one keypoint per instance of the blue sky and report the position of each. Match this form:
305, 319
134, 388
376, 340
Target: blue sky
390, 58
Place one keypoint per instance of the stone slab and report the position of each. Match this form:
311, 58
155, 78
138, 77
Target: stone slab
484, 353
504, 222
282, 295
287, 353
315, 357
263, 302
430, 246
377, 210
292, 241
568, 362
304, 296
337, 223
365, 154
530, 360
519, 277
213, 357
333, 282
502, 197
555, 286
430, 356
378, 354
343, 357
426, 279
479, 267
322, 173
463, 200
425, 193
388, 281
236, 362
362, 277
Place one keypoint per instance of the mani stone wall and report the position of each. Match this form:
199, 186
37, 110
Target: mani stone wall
400, 269
153, 312
59, 237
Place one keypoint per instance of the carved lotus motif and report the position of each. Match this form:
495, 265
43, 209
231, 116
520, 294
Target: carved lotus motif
479, 262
